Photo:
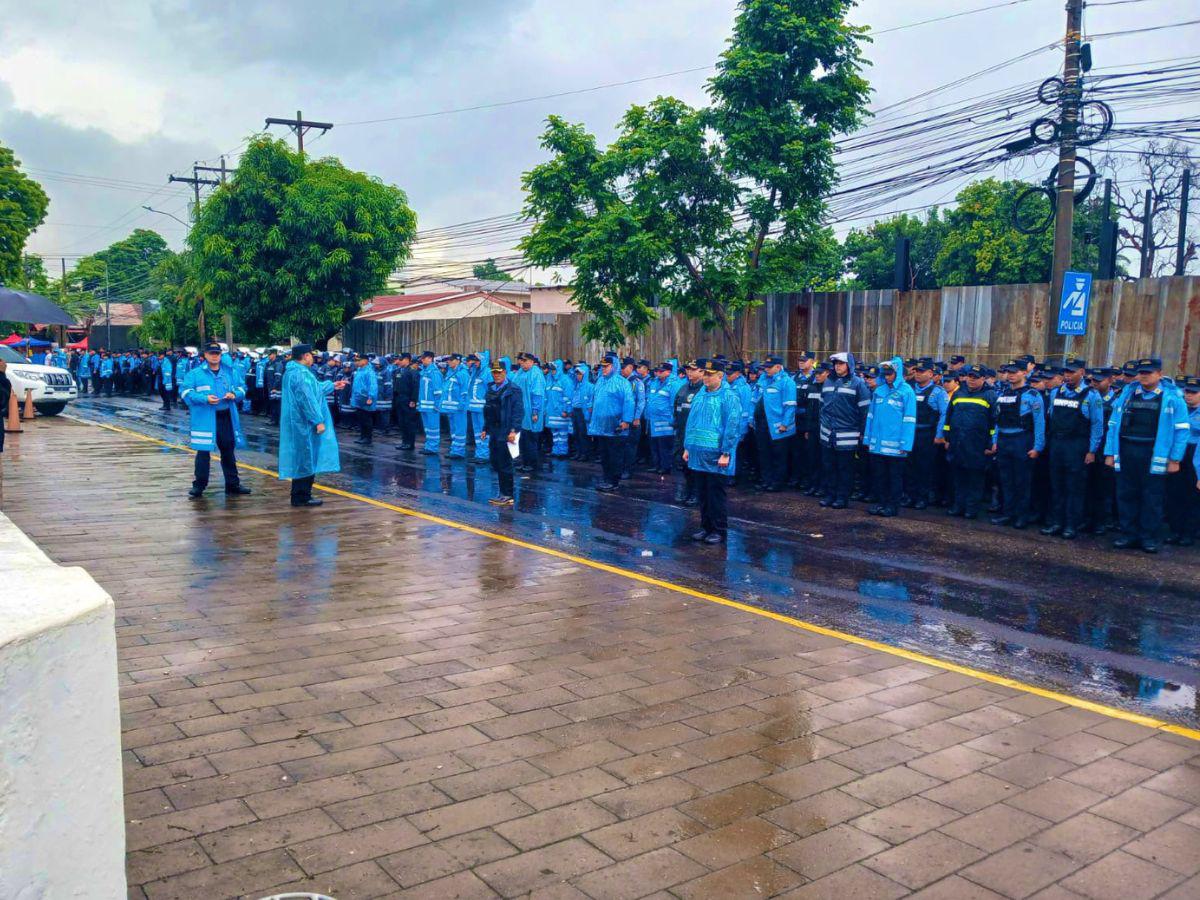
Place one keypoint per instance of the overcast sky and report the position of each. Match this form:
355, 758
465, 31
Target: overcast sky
130, 91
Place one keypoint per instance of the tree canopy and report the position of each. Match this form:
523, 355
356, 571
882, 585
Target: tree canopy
973, 242
292, 246
23, 206
699, 210
489, 271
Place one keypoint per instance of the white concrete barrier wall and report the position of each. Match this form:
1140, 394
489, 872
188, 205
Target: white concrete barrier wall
62, 822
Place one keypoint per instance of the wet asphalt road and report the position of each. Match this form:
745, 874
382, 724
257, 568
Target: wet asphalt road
1119, 628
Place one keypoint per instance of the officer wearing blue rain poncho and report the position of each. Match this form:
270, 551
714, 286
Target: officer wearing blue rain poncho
581, 410
532, 384
212, 393
710, 448
891, 429
660, 415
455, 388
307, 442
559, 389
479, 373
429, 401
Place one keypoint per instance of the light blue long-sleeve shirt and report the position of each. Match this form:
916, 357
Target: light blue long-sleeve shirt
1031, 405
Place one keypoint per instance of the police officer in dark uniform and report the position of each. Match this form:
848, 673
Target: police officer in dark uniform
405, 389
844, 403
968, 433
273, 382
815, 482
1020, 439
1183, 487
1101, 501
1076, 428
932, 402
686, 491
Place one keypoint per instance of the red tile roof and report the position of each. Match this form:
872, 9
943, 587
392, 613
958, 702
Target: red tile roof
379, 308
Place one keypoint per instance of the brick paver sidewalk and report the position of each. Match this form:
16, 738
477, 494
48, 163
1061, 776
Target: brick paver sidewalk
354, 701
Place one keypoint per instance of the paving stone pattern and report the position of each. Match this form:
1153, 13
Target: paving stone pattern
352, 701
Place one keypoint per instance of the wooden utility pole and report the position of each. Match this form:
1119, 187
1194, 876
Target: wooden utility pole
1064, 218
301, 126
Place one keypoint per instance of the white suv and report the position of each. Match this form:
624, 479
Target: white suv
53, 388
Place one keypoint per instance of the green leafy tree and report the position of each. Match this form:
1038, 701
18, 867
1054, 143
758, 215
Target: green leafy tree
23, 206
870, 253
489, 271
981, 246
174, 320
292, 246
700, 210
33, 275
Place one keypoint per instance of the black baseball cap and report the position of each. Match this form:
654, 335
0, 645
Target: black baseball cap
1149, 364
975, 370
1190, 383
1073, 364
714, 365
773, 361
213, 347
958, 359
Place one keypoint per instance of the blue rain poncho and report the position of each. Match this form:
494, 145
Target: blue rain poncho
303, 452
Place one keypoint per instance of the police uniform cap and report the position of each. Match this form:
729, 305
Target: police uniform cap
212, 347
427, 354
1130, 367
925, 365
871, 371
607, 360
807, 354
698, 363
714, 365
735, 367
911, 363
773, 361
663, 367
1014, 365
457, 356
975, 370
692, 364
957, 359
498, 366
300, 349
1149, 364
1190, 383
824, 366
950, 376
644, 362
1073, 364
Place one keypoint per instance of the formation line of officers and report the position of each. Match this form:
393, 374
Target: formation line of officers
1057, 444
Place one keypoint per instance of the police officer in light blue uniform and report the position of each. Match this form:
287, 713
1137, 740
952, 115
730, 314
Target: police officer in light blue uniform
1020, 438
612, 414
212, 393
479, 376
559, 390
429, 401
710, 449
889, 435
1147, 438
774, 423
532, 383
455, 389
660, 416
1076, 431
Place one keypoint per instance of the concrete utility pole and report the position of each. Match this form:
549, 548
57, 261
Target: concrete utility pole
1064, 218
1147, 268
1181, 238
300, 126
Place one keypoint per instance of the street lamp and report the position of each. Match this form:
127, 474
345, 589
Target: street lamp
163, 212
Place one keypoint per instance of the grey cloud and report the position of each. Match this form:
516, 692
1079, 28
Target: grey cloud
337, 39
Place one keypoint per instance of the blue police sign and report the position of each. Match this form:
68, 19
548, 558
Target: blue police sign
1073, 306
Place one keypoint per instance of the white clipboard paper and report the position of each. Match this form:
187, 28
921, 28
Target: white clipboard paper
514, 446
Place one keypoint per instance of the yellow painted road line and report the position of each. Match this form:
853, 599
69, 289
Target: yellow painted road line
911, 655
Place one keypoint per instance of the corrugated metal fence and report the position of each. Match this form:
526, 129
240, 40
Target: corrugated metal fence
1159, 316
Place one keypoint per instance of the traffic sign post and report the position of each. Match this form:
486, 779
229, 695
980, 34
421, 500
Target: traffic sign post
1074, 303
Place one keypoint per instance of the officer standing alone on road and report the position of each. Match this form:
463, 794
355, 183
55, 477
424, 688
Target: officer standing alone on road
212, 393
307, 442
503, 411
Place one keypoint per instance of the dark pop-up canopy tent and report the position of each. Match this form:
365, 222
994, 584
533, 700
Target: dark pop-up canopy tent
17, 306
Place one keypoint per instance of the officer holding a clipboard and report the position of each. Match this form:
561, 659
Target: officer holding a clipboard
503, 411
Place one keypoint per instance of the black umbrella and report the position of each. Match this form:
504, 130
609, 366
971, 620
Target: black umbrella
17, 306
